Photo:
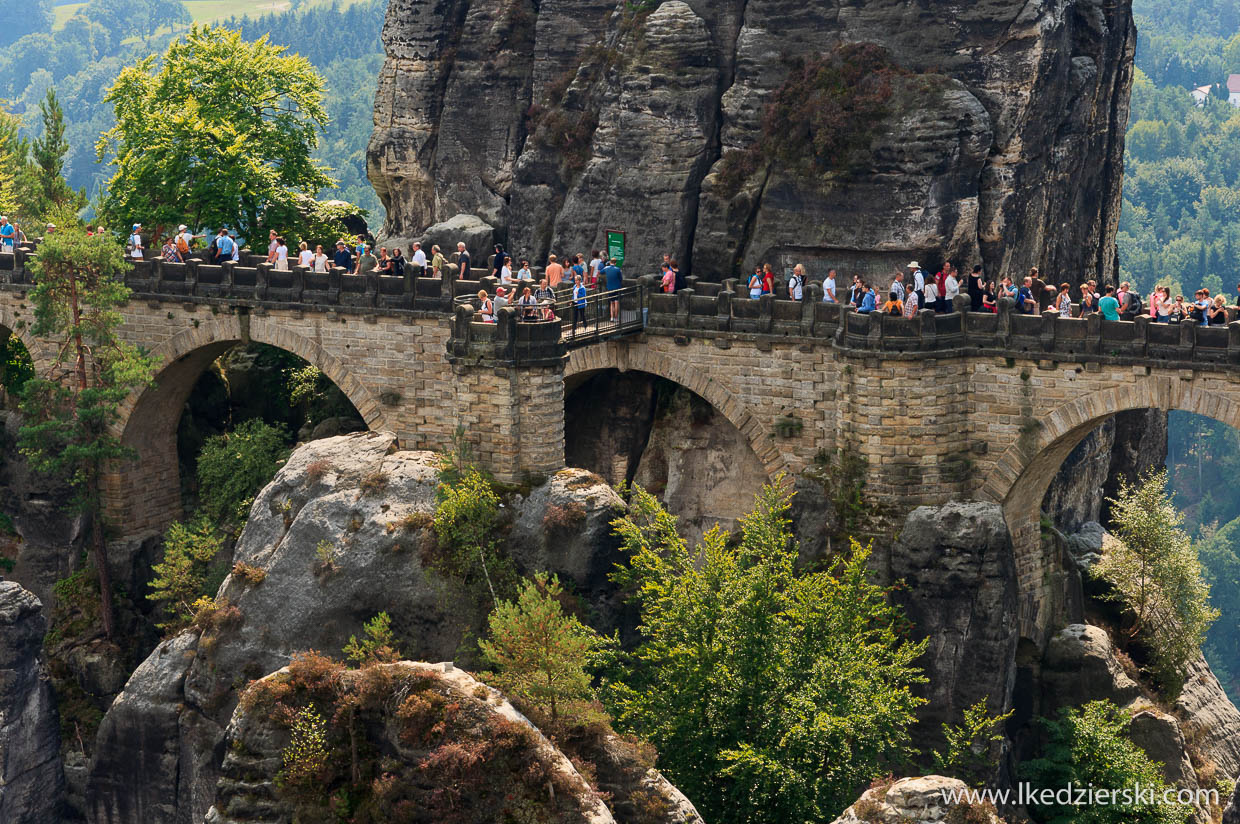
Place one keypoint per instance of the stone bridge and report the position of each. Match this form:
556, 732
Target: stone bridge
943, 407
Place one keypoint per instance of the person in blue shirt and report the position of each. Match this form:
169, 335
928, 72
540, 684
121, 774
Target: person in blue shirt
1108, 305
7, 233
579, 302
615, 279
223, 247
342, 257
1025, 301
869, 302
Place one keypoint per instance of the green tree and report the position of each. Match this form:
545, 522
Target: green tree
465, 526
540, 653
1157, 576
1086, 747
232, 144
772, 695
180, 578
47, 189
71, 410
970, 755
378, 644
235, 466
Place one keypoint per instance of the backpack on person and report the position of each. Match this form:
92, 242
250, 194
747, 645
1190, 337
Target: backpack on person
182, 246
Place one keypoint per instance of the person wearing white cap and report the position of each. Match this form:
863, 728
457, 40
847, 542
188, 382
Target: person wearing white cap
919, 282
135, 242
50, 228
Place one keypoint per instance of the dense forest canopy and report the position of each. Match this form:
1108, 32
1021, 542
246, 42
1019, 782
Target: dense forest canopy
82, 55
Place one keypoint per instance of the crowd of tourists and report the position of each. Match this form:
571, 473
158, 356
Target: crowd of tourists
906, 293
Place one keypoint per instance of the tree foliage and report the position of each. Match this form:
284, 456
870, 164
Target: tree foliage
46, 191
181, 577
969, 754
1157, 576
540, 654
70, 411
232, 143
235, 466
378, 644
465, 523
1086, 747
772, 695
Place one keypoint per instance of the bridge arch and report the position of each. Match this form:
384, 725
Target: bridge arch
10, 323
144, 496
1024, 472
619, 355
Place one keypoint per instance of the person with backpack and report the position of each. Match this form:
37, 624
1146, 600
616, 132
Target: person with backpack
796, 283
755, 283
1130, 305
134, 246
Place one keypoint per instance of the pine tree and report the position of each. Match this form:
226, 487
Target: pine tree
70, 410
540, 653
49, 191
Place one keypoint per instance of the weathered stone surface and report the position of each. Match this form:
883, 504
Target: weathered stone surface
177, 710
1012, 150
478, 237
1159, 735
1080, 666
959, 591
32, 782
1214, 720
919, 800
1232, 814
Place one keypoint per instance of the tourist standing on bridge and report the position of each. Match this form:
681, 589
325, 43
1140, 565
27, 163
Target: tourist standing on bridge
940, 289
398, 263
170, 253
437, 262
555, 272
462, 261
893, 306
1108, 305
668, 282
505, 272
281, 255
829, 288
497, 262
419, 257
755, 283
615, 280
524, 272
1217, 313
1025, 300
544, 292
952, 285
304, 256
1038, 290
912, 301
932, 296
768, 279
8, 234
501, 299
134, 245
224, 247
343, 258
1063, 302
796, 283
485, 308
272, 243
320, 261
367, 262
528, 304
869, 301
579, 304
919, 282
977, 287
897, 286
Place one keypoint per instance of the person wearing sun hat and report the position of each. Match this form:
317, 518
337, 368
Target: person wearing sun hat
919, 282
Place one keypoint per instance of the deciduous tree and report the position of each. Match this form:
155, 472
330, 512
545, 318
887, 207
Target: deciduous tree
771, 694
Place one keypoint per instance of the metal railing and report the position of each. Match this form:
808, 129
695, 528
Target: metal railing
601, 314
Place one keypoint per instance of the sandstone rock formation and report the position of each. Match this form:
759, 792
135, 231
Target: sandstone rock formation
959, 590
433, 738
554, 121
177, 705
672, 442
923, 800
31, 777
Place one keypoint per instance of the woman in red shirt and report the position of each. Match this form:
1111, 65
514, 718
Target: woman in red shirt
768, 280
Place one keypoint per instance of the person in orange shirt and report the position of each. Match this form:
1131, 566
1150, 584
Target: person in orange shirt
555, 272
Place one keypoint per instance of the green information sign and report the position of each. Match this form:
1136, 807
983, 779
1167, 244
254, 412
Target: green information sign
615, 247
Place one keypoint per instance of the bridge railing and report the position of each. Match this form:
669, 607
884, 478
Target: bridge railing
1007, 331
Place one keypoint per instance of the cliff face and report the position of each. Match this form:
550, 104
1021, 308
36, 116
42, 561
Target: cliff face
999, 136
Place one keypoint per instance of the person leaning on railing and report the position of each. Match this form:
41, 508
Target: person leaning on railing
579, 303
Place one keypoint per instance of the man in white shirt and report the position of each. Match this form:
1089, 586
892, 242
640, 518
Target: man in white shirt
951, 288
184, 233
419, 257
919, 280
828, 287
796, 284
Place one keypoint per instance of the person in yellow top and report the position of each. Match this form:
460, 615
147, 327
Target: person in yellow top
437, 261
893, 306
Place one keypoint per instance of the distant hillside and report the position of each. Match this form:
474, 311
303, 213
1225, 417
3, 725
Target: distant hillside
80, 48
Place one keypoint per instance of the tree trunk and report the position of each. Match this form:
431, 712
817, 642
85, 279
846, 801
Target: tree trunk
99, 552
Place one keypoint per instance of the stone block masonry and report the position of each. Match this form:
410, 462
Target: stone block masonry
941, 408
